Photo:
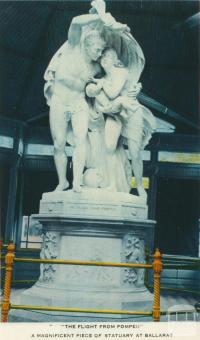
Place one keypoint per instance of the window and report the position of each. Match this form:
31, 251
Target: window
31, 235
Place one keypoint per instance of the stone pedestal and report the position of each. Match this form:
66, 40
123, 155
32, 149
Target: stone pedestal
92, 226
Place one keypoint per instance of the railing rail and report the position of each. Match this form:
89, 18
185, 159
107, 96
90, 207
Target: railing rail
79, 310
84, 263
177, 258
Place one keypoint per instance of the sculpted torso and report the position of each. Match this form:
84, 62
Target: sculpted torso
72, 75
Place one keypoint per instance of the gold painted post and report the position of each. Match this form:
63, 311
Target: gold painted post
7, 285
1, 249
157, 267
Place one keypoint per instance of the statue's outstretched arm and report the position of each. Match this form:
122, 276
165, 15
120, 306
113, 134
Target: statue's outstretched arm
104, 19
77, 23
84, 19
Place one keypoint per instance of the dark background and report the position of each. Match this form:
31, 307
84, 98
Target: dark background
32, 31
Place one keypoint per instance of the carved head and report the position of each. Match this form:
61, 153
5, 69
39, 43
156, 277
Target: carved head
94, 44
109, 58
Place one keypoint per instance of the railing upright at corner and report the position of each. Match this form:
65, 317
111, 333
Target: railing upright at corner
157, 267
8, 278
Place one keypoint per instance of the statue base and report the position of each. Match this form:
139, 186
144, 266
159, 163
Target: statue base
94, 203
72, 233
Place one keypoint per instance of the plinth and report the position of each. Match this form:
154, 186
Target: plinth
95, 225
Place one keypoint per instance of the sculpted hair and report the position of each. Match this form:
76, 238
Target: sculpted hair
92, 37
117, 62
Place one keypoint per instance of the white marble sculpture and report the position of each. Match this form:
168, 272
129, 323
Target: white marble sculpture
91, 88
115, 95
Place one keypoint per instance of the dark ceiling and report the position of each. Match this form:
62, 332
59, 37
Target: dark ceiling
31, 32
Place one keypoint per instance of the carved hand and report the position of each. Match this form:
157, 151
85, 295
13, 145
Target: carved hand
134, 91
98, 6
99, 82
108, 19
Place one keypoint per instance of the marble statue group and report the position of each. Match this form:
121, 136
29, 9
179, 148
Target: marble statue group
92, 83
91, 86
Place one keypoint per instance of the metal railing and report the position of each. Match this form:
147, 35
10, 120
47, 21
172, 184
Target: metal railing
10, 259
174, 262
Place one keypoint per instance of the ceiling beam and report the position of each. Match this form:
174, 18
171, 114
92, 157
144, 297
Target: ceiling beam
190, 23
164, 110
193, 21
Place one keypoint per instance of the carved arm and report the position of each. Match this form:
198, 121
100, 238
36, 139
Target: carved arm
112, 90
77, 23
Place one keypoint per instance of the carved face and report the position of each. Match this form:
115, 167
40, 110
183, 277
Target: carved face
108, 59
94, 51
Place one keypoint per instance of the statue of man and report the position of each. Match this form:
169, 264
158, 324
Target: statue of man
70, 69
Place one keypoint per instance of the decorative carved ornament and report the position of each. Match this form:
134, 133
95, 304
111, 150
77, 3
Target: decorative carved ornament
49, 251
133, 252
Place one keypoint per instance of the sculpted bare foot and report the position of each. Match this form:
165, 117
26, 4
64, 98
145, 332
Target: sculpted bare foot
62, 186
77, 188
142, 193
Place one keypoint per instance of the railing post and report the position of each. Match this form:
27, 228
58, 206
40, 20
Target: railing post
146, 273
157, 267
7, 285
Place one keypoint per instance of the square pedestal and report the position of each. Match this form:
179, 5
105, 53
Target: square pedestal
97, 240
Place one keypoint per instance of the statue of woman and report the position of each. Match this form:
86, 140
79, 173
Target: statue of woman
116, 96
